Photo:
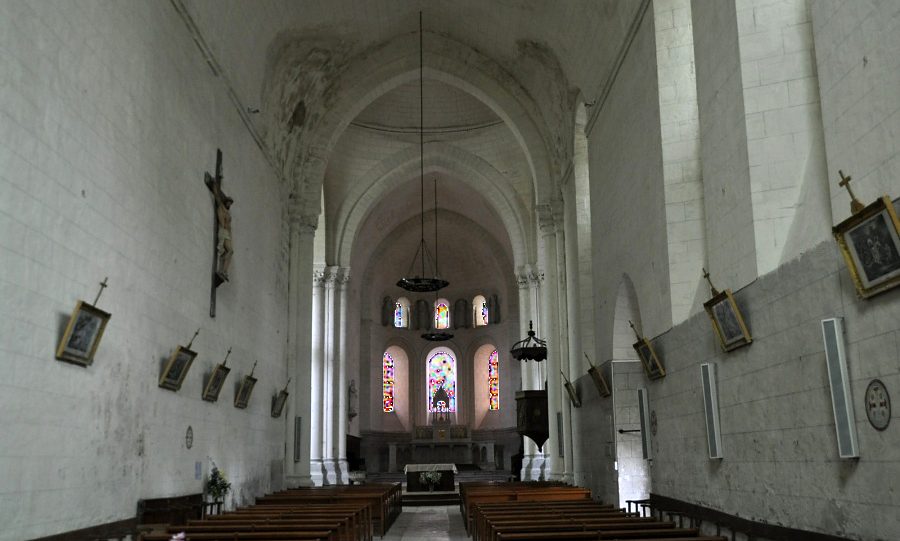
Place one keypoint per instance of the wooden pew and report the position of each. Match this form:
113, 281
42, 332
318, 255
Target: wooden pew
385, 500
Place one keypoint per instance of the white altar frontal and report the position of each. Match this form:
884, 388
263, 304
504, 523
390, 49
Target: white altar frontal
414, 482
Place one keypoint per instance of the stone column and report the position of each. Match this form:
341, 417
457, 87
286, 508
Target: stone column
533, 375
315, 388
550, 327
329, 376
577, 363
302, 233
340, 435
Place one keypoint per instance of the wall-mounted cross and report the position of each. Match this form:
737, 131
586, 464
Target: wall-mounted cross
855, 204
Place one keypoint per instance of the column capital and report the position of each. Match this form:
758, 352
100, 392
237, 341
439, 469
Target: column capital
342, 276
549, 216
535, 277
331, 276
318, 276
300, 218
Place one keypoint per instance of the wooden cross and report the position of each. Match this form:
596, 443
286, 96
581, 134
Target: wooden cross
855, 204
633, 328
712, 288
221, 226
103, 285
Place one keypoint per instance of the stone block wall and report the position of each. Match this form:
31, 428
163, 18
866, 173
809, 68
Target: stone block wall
859, 74
110, 118
781, 463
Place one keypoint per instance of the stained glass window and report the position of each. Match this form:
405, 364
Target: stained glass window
480, 311
441, 314
494, 380
401, 313
387, 377
441, 374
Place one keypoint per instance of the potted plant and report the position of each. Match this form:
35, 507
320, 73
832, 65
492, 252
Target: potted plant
217, 486
430, 478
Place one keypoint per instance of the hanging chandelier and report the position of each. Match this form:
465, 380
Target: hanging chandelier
420, 283
435, 334
531, 348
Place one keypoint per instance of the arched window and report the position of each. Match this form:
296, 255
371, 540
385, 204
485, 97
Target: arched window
480, 315
494, 381
441, 381
441, 314
387, 378
401, 313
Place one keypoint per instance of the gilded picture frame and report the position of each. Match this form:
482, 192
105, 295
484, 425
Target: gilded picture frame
278, 402
176, 368
242, 396
82, 335
727, 321
653, 367
215, 383
870, 243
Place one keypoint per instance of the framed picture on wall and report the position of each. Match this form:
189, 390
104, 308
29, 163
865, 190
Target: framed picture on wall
600, 381
82, 335
870, 243
652, 365
242, 397
278, 402
215, 382
177, 368
727, 321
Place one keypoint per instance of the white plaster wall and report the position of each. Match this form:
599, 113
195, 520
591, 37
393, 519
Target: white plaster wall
110, 118
680, 132
856, 46
786, 151
730, 239
781, 463
628, 213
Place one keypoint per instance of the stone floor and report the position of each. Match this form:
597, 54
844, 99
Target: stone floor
437, 523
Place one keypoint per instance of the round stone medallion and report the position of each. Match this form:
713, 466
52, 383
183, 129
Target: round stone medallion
189, 437
878, 405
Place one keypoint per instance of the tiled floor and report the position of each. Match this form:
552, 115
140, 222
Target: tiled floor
440, 523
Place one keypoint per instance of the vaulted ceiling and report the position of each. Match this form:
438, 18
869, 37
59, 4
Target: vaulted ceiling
290, 58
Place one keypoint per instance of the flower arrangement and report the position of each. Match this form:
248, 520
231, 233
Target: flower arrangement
430, 478
217, 486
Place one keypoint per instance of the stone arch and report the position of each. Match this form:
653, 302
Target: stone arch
371, 75
627, 309
439, 157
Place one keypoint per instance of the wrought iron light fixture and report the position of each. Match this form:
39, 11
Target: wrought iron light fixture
419, 283
531, 348
436, 335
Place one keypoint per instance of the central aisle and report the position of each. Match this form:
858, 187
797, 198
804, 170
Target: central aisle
438, 523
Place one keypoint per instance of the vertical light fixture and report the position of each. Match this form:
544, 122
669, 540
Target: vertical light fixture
436, 335
420, 283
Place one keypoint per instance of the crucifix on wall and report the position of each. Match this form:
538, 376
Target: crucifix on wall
222, 249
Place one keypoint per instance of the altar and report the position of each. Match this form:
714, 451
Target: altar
446, 483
